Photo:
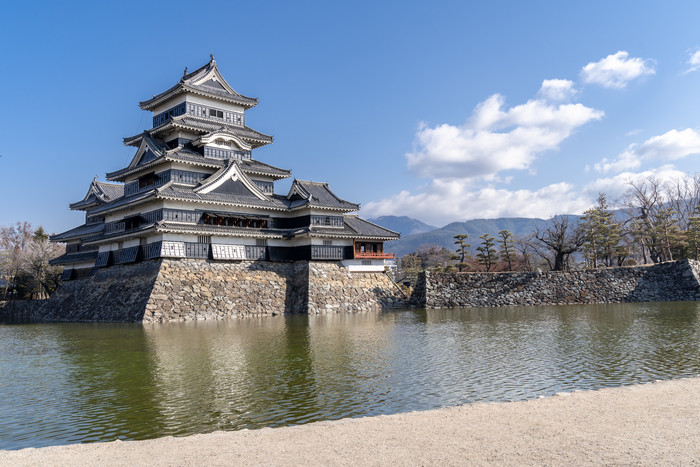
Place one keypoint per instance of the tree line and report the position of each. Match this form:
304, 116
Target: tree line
25, 272
651, 222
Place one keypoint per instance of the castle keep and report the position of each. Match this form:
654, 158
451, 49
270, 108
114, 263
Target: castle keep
194, 191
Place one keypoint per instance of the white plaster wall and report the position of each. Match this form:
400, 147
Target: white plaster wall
355, 265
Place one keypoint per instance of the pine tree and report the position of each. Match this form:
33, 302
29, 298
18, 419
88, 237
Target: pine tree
602, 235
507, 252
692, 235
487, 252
462, 250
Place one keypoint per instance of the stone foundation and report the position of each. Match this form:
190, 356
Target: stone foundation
192, 289
674, 281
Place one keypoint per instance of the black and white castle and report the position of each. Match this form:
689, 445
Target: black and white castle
194, 190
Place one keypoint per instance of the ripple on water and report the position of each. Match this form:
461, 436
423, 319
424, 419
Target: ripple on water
67, 383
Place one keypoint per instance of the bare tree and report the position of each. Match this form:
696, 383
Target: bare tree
683, 197
35, 262
14, 241
660, 217
558, 242
523, 244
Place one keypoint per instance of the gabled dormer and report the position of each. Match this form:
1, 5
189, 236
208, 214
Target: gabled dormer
98, 193
148, 150
231, 180
304, 194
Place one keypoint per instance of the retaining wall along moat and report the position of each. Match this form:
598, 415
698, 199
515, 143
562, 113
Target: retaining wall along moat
673, 281
192, 289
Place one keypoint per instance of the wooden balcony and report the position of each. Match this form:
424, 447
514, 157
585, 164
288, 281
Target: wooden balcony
372, 255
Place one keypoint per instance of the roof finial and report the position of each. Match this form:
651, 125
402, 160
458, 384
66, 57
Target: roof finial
211, 55
184, 73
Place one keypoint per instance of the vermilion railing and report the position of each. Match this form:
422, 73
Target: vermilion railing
375, 255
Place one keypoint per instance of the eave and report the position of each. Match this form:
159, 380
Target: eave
326, 208
181, 88
221, 203
122, 174
71, 258
311, 233
203, 229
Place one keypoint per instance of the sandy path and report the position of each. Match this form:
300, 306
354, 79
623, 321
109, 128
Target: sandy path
649, 424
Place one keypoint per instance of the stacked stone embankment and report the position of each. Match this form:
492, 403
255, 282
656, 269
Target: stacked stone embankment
190, 289
673, 281
333, 289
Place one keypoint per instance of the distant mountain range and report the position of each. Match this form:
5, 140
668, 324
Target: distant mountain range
415, 234
403, 224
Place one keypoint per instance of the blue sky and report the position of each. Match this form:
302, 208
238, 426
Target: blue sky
442, 111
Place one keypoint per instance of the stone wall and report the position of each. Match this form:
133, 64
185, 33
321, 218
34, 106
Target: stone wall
334, 289
194, 289
674, 281
118, 293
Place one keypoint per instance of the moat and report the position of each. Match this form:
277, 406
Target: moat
77, 382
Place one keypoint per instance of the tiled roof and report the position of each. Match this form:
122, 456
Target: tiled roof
125, 201
354, 227
366, 228
253, 166
208, 125
183, 155
99, 193
70, 258
81, 231
204, 125
217, 230
316, 194
175, 192
111, 190
219, 88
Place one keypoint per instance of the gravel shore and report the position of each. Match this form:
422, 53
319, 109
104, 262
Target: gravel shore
648, 424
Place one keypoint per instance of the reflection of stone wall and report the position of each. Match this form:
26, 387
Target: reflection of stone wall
19, 309
675, 281
192, 289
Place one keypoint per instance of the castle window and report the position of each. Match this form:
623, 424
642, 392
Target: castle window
328, 242
216, 113
131, 223
147, 180
203, 239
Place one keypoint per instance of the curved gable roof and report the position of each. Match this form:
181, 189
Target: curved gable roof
206, 80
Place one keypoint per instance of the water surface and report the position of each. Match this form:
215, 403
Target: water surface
68, 383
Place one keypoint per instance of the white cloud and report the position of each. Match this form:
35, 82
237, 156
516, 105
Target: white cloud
445, 201
442, 202
615, 186
693, 61
557, 90
615, 71
495, 139
672, 145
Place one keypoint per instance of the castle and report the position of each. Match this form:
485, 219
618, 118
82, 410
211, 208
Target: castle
194, 190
